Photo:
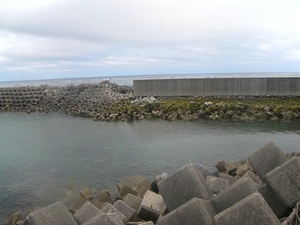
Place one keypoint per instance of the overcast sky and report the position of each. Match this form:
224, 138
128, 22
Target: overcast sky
42, 39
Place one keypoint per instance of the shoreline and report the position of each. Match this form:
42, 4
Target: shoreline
111, 102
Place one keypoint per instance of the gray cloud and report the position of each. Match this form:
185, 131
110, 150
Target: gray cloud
128, 35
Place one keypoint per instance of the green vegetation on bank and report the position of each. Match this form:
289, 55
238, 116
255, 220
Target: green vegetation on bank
225, 108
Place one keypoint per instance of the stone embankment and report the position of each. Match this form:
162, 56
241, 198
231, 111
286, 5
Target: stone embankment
264, 189
109, 102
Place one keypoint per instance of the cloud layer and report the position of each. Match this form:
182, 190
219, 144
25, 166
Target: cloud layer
51, 38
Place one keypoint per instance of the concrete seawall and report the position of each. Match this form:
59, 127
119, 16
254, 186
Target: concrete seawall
288, 86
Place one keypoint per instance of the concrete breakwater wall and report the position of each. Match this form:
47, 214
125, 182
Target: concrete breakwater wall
288, 86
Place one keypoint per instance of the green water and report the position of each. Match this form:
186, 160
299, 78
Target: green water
49, 157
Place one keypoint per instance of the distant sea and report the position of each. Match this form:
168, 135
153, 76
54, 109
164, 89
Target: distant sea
128, 79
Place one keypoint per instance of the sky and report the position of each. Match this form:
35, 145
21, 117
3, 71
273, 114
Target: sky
45, 39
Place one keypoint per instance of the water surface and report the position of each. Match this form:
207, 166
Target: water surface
49, 157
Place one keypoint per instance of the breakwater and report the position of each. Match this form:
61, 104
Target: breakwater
110, 102
288, 86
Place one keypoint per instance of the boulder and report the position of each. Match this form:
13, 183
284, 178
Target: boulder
55, 213
206, 170
252, 210
85, 213
266, 159
217, 184
133, 185
194, 212
234, 193
86, 194
185, 184
152, 206
285, 181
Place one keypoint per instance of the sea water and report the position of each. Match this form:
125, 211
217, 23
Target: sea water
45, 158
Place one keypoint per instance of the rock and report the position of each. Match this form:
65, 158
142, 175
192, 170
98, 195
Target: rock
86, 194
55, 213
133, 185
15, 218
225, 167
242, 169
233, 194
252, 210
101, 198
161, 177
152, 206
77, 204
194, 212
266, 159
217, 184
284, 181
206, 170
85, 213
133, 201
182, 186
125, 209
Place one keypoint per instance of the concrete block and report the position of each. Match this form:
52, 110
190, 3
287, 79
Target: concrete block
217, 184
105, 219
273, 201
234, 193
85, 213
253, 176
231, 179
55, 213
206, 170
252, 210
182, 186
101, 198
266, 159
86, 194
194, 212
133, 201
133, 185
152, 206
77, 204
109, 208
125, 209
285, 181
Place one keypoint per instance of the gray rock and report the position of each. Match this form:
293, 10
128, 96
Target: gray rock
15, 218
234, 193
105, 219
133, 201
109, 208
273, 201
133, 185
185, 184
85, 213
285, 181
161, 177
55, 213
79, 202
231, 179
152, 206
206, 170
252, 210
125, 209
217, 184
194, 212
101, 198
250, 174
266, 159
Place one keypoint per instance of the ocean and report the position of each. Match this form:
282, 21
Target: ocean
49, 157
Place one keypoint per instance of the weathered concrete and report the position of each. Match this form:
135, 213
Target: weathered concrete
285, 181
79, 202
253, 176
101, 198
266, 159
273, 201
109, 208
194, 212
125, 209
185, 184
85, 213
136, 185
217, 184
105, 219
233, 194
55, 213
152, 206
218, 87
252, 210
133, 201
